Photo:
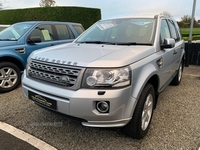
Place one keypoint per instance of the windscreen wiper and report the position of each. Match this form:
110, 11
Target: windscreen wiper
7, 40
115, 43
133, 43
97, 42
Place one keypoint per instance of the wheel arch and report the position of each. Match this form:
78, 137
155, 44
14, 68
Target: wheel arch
12, 60
154, 81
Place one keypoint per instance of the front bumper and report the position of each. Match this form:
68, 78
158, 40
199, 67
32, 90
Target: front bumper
81, 103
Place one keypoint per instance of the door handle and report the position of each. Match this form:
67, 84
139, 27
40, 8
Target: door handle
174, 52
159, 62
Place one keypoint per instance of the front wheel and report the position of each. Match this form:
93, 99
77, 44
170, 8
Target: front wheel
139, 125
9, 77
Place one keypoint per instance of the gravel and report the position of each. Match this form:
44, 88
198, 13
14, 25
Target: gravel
175, 123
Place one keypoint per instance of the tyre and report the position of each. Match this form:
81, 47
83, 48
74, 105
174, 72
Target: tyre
138, 127
10, 77
178, 77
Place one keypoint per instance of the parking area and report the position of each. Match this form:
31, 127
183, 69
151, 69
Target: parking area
175, 123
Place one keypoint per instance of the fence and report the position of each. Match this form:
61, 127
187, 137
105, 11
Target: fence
192, 51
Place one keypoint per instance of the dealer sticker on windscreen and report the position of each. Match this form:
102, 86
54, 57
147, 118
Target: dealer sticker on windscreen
104, 26
44, 101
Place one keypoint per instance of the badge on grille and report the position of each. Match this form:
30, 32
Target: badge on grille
64, 79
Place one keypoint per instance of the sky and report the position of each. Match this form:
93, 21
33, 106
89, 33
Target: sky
120, 8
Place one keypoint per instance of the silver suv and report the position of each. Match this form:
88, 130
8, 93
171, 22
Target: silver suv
111, 75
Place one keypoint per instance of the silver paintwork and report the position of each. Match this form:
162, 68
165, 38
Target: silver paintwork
145, 61
80, 103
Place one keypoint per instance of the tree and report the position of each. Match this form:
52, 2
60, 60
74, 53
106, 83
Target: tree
1, 6
165, 13
186, 20
47, 3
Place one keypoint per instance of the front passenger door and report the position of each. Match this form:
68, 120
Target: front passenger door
168, 60
45, 33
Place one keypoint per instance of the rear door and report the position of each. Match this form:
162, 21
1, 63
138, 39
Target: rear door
179, 45
63, 33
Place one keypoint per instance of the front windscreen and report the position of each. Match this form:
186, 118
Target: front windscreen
120, 31
14, 32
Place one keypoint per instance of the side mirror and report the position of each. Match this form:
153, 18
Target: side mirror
168, 43
34, 39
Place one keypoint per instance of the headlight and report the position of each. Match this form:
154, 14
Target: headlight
117, 77
28, 66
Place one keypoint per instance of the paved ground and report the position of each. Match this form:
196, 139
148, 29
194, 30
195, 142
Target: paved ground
175, 124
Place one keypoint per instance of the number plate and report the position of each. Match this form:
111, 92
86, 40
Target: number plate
44, 101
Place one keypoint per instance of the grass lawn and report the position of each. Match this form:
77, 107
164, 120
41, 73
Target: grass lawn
195, 33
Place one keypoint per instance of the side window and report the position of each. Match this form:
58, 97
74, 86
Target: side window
79, 29
164, 31
44, 32
64, 32
173, 30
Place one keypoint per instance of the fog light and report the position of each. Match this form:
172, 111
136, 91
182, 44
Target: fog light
103, 106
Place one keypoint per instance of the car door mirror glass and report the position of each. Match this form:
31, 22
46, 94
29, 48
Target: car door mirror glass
34, 39
168, 43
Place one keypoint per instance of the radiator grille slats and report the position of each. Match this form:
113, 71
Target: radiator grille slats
53, 74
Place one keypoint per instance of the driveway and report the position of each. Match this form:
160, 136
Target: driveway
175, 123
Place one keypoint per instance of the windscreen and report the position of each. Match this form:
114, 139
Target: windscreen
14, 32
120, 31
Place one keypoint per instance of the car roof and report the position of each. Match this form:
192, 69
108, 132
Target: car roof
138, 16
4, 25
49, 22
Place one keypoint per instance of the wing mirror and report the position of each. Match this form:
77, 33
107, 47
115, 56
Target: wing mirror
168, 43
34, 39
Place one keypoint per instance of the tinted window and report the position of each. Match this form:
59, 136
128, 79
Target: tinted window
164, 31
64, 32
79, 29
173, 30
44, 32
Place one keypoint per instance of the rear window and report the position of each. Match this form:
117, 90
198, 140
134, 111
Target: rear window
79, 29
64, 32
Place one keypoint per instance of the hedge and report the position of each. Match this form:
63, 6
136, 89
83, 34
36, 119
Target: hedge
85, 16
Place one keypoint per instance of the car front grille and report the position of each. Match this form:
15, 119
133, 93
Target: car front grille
65, 76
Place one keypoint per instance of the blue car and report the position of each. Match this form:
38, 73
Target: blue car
2, 27
19, 40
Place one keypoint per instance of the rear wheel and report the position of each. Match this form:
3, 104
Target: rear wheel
9, 77
139, 125
178, 77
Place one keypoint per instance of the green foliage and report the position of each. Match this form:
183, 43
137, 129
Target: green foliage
166, 13
186, 21
195, 33
47, 3
85, 16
